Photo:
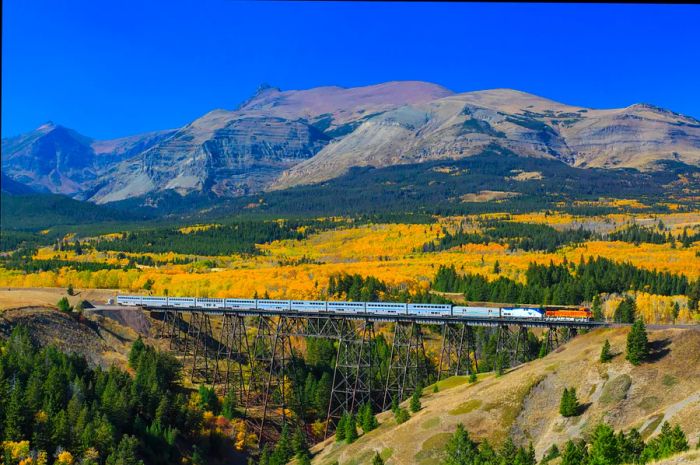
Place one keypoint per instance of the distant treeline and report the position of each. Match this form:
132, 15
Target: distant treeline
637, 234
217, 240
523, 236
565, 284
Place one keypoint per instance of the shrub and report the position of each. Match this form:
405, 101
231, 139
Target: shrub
64, 306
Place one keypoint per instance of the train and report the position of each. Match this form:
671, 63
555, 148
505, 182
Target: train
375, 308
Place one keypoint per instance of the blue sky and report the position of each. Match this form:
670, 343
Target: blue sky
110, 69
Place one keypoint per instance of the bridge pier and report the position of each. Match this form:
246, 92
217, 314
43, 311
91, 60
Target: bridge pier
353, 372
457, 351
406, 362
233, 352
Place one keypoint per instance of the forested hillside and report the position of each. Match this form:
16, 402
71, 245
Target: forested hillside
54, 408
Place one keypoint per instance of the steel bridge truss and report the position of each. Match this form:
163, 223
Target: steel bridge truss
252, 356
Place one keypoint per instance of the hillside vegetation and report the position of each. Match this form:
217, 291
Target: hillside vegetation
524, 402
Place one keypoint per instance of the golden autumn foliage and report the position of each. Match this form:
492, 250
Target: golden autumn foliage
300, 269
64, 458
16, 450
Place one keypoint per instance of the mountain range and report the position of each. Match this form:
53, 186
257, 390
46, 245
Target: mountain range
281, 139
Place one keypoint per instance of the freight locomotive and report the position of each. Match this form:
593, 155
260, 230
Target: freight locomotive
375, 308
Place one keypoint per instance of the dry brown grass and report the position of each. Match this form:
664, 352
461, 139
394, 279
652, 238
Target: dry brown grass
18, 297
524, 402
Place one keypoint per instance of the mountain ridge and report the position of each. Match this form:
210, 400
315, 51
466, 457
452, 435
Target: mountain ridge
280, 139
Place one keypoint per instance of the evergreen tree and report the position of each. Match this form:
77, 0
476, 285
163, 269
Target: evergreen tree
63, 305
630, 445
368, 419
605, 354
460, 449
675, 311
574, 454
126, 452
637, 343
394, 405
604, 449
626, 311
569, 406
264, 456
70, 290
228, 408
208, 400
415, 403
15, 417
350, 429
377, 460
508, 451
340, 428
597, 309
323, 392
552, 453
135, 352
401, 415
283, 448
496, 267
301, 447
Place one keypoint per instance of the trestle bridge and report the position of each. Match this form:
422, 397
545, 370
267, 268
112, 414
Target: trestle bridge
250, 351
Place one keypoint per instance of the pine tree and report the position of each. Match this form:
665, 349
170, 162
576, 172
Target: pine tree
63, 305
626, 311
496, 268
126, 452
574, 454
300, 447
637, 343
368, 419
283, 449
597, 309
137, 349
415, 401
228, 409
340, 428
350, 429
264, 456
569, 406
460, 449
323, 392
605, 355
15, 418
70, 290
604, 450
508, 451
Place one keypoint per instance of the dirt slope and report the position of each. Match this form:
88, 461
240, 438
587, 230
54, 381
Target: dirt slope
525, 401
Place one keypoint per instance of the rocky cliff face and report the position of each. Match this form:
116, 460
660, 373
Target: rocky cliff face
281, 139
463, 125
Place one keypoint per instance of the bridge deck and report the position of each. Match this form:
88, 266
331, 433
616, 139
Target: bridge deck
427, 319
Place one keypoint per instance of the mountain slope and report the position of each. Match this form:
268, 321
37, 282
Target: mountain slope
55, 159
524, 402
463, 125
280, 139
242, 151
